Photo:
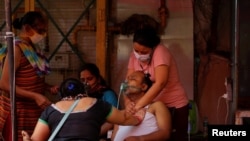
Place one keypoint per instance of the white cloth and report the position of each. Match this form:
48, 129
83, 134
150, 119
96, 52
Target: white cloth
148, 125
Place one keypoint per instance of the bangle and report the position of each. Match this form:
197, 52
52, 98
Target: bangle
138, 119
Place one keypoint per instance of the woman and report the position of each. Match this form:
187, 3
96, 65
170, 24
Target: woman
156, 125
152, 57
86, 119
30, 67
96, 87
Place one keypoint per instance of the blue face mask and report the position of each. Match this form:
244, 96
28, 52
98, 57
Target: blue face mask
142, 57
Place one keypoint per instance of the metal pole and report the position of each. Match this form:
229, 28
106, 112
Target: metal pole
235, 46
14, 10
9, 39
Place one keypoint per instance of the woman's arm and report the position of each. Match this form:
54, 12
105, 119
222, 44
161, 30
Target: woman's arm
41, 132
4, 81
124, 118
161, 78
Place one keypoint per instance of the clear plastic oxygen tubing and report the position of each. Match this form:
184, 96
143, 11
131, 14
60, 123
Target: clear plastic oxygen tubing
122, 88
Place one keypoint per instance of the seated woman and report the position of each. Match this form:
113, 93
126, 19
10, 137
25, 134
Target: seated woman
84, 122
156, 125
96, 87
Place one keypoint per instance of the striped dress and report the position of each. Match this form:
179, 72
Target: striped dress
28, 111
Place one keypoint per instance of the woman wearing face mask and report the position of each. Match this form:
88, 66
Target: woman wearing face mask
30, 67
152, 57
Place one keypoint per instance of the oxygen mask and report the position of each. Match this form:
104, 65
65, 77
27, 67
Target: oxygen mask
127, 89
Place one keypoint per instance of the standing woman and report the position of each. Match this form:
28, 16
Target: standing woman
30, 68
97, 87
152, 57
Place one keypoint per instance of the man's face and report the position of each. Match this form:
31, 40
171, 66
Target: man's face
135, 83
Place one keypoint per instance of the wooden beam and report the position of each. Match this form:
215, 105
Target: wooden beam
101, 25
29, 5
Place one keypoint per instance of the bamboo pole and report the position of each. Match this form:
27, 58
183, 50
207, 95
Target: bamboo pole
101, 38
29, 5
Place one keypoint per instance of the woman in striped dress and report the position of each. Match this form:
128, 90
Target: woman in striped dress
30, 67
